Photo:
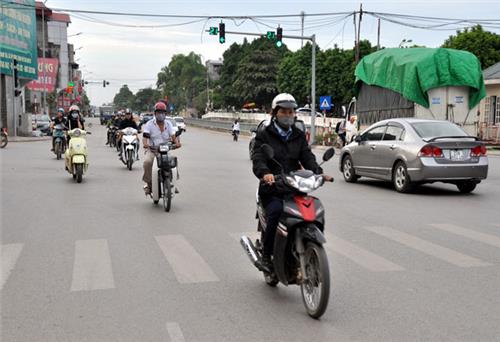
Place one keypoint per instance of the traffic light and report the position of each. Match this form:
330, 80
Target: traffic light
222, 33
17, 92
279, 37
69, 88
104, 83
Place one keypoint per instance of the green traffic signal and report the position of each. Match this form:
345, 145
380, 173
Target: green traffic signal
271, 35
214, 31
222, 33
279, 43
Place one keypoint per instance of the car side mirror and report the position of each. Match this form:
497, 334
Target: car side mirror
358, 139
268, 151
328, 154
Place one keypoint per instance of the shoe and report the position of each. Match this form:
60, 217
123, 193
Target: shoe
266, 263
147, 190
176, 190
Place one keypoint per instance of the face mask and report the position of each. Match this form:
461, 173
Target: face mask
285, 122
74, 115
160, 117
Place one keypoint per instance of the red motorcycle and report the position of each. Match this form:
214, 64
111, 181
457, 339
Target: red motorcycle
299, 257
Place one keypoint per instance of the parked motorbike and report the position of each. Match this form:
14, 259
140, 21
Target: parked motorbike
299, 257
164, 174
75, 157
129, 146
4, 135
59, 137
111, 134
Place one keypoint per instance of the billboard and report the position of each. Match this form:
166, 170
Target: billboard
18, 37
51, 66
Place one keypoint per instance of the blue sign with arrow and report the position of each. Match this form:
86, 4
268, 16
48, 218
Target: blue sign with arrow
325, 102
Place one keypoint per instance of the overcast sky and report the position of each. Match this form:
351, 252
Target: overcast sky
134, 56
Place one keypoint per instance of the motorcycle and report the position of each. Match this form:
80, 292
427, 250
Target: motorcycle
129, 147
4, 135
59, 140
75, 157
163, 174
299, 257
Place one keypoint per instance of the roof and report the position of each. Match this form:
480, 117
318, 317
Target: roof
413, 72
492, 73
62, 17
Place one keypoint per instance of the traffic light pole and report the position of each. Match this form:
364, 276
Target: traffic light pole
312, 39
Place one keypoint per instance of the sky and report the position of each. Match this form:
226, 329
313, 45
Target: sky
135, 55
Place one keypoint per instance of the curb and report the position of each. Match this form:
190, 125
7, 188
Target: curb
24, 140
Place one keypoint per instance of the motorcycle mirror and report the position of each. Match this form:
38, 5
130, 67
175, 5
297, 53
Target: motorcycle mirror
268, 151
328, 154
88, 132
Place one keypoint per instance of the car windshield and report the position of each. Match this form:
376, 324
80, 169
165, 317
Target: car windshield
435, 129
179, 120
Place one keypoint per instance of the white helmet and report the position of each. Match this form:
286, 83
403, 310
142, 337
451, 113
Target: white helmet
74, 108
284, 100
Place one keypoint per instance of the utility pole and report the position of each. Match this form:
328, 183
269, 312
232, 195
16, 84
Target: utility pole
14, 97
355, 37
44, 95
378, 35
302, 14
359, 32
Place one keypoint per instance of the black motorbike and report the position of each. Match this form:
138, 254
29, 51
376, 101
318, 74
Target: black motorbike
111, 135
299, 257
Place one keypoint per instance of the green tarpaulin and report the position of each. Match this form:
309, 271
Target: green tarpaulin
414, 71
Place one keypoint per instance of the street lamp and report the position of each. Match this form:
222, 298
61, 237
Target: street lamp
76, 34
404, 41
81, 47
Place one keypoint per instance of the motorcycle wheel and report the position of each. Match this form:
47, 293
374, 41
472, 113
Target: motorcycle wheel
4, 141
167, 194
130, 159
57, 149
79, 172
316, 288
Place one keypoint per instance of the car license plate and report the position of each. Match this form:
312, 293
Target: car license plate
458, 155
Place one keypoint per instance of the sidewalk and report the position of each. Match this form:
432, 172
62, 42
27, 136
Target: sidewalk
27, 139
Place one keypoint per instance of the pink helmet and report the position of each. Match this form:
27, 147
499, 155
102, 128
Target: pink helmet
160, 106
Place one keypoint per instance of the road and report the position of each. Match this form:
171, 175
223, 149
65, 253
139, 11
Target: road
98, 261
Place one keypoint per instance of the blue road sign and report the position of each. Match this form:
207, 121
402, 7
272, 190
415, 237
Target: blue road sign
325, 102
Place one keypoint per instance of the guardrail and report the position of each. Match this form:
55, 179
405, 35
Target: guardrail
220, 125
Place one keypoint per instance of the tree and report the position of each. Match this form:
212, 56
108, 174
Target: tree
484, 44
145, 99
125, 98
232, 58
183, 79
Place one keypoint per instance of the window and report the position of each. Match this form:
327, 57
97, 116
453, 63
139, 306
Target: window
434, 129
394, 133
497, 115
374, 134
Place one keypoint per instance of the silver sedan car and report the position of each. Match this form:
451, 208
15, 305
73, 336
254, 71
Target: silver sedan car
409, 152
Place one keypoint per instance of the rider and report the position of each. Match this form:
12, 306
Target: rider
291, 151
156, 131
74, 118
128, 121
58, 120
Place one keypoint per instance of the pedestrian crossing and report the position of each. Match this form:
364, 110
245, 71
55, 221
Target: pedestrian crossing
92, 266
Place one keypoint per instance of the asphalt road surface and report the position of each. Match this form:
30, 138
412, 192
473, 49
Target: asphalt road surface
97, 261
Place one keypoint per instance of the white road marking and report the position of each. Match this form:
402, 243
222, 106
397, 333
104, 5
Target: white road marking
468, 233
360, 256
92, 268
10, 254
429, 248
175, 332
187, 264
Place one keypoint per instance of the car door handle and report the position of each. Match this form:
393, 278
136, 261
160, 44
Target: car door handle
373, 147
392, 147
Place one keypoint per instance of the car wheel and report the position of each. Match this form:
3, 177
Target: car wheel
466, 187
401, 179
348, 170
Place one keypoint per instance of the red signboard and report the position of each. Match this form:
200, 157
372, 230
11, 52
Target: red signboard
51, 66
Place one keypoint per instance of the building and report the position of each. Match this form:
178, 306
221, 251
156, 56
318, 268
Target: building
490, 105
213, 69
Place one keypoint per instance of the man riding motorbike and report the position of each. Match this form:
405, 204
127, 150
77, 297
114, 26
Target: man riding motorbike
155, 132
291, 151
58, 120
128, 121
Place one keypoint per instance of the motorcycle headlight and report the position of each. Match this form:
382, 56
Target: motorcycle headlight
164, 148
77, 133
305, 184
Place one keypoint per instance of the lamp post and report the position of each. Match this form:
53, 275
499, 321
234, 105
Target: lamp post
404, 41
76, 34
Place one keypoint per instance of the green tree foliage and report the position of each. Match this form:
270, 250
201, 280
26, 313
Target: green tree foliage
228, 76
484, 44
145, 99
183, 79
125, 98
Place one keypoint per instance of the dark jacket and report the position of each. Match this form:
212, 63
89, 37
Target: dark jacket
128, 123
73, 123
292, 154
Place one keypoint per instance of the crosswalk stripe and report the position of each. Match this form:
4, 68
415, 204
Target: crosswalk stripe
468, 233
429, 248
175, 332
360, 256
92, 266
187, 264
10, 254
